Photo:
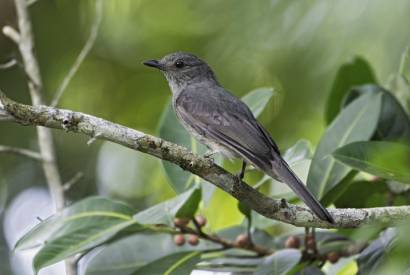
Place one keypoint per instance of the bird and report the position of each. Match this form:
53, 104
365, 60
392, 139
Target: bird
225, 124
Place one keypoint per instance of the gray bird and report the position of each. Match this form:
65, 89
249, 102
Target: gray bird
224, 123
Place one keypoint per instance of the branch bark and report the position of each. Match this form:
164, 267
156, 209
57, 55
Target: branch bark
99, 128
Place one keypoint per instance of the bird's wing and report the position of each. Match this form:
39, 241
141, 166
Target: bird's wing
219, 116
228, 121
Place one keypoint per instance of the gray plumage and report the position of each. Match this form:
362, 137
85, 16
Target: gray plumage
224, 123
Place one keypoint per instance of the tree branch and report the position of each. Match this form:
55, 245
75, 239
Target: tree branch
8, 64
11, 33
226, 244
20, 151
25, 43
45, 139
76, 178
81, 123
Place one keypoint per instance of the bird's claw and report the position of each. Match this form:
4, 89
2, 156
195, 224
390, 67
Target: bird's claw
284, 203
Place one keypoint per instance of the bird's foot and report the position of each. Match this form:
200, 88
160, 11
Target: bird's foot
284, 203
239, 177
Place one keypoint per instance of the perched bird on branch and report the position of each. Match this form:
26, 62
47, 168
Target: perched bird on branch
225, 124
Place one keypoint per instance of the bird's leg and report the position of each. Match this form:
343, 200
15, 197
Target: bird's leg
249, 230
241, 174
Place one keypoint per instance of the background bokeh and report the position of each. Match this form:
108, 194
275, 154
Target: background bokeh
293, 46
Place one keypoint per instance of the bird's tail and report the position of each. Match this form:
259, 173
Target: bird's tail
282, 170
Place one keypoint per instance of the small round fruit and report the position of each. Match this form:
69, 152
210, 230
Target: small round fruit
180, 222
201, 220
292, 242
333, 257
179, 239
242, 240
311, 245
193, 240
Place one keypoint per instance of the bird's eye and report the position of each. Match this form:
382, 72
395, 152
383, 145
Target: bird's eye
179, 64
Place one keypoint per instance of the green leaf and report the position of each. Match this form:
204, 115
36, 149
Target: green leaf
181, 263
372, 256
125, 257
353, 196
387, 160
171, 130
298, 157
393, 124
353, 73
302, 150
339, 189
190, 206
82, 226
311, 270
222, 211
400, 88
258, 99
345, 266
281, 262
41, 233
184, 205
245, 209
38, 235
356, 122
124, 173
227, 263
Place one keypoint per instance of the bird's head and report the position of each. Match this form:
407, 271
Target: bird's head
182, 69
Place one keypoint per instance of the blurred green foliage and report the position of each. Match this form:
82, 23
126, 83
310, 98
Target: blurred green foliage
296, 47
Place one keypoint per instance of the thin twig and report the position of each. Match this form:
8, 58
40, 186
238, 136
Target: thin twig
11, 33
403, 59
261, 251
20, 151
25, 44
197, 226
306, 237
8, 64
83, 54
76, 178
93, 139
31, 2
45, 139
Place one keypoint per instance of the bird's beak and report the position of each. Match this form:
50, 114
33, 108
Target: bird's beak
153, 63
